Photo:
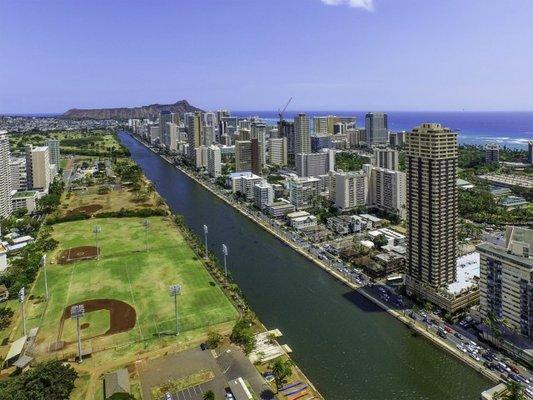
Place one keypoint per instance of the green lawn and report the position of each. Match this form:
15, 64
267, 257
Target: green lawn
126, 272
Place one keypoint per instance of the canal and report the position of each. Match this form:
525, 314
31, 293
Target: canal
346, 345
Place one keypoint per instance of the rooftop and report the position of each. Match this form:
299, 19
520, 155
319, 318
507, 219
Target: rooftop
467, 273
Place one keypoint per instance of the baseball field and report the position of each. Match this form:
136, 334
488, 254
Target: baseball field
125, 292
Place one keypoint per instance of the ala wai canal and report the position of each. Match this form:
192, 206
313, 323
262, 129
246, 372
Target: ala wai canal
349, 348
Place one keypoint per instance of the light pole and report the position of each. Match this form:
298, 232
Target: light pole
76, 312
146, 224
96, 231
205, 236
225, 253
22, 295
175, 290
43, 260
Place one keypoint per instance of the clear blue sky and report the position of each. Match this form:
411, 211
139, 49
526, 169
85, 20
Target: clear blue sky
253, 55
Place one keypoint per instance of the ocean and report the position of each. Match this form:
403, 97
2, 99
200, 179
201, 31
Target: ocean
510, 129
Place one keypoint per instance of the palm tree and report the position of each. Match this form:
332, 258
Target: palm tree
281, 369
209, 395
513, 391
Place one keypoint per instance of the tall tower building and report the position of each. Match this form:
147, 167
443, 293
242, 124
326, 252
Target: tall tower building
431, 163
53, 148
194, 133
165, 117
277, 152
5, 181
530, 152
286, 130
386, 158
377, 128
302, 139
243, 155
492, 153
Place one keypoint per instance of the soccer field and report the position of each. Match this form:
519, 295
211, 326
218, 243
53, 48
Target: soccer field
128, 274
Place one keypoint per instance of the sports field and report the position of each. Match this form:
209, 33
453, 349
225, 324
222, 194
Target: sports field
132, 283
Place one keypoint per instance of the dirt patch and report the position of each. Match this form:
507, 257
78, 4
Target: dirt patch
85, 325
86, 210
77, 254
122, 316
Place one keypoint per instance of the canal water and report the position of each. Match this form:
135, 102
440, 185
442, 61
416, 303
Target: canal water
348, 347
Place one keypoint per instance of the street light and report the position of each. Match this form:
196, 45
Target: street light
205, 236
225, 253
43, 261
22, 295
175, 291
146, 224
96, 230
76, 312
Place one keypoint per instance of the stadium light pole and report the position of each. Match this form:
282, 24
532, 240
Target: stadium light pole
22, 295
76, 312
96, 230
43, 260
175, 291
225, 253
146, 224
206, 231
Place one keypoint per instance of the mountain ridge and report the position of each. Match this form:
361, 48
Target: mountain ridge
148, 111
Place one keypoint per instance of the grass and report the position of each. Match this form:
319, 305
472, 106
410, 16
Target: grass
127, 273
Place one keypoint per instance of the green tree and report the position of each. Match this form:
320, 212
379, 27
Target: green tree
50, 380
513, 391
281, 369
213, 339
243, 335
380, 241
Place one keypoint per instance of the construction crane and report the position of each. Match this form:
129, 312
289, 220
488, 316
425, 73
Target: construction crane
282, 110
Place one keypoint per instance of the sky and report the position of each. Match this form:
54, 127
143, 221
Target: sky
414, 55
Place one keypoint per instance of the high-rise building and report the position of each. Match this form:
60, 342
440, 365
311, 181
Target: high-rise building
165, 117
259, 132
431, 163
530, 152
200, 157
18, 176
214, 161
386, 158
492, 153
377, 131
302, 138
351, 189
315, 164
175, 118
194, 132
506, 280
263, 195
257, 165
53, 148
5, 182
277, 151
286, 130
320, 125
38, 167
243, 155
304, 192
388, 190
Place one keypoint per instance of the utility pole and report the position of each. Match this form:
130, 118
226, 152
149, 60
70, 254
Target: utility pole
76, 312
205, 237
225, 253
175, 291
45, 276
22, 295
146, 224
96, 231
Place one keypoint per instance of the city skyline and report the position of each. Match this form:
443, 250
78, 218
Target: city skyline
336, 55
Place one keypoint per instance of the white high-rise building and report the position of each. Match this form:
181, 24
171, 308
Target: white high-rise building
315, 164
200, 157
38, 167
351, 190
214, 161
263, 195
302, 138
386, 158
388, 190
277, 152
17, 169
5, 182
303, 192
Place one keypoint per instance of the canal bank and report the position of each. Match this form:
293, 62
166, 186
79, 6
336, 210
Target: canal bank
344, 343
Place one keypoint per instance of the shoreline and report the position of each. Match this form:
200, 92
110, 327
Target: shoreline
407, 321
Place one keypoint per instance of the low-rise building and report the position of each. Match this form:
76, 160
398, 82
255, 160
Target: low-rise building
301, 219
3, 258
243, 182
263, 195
303, 192
280, 208
25, 199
